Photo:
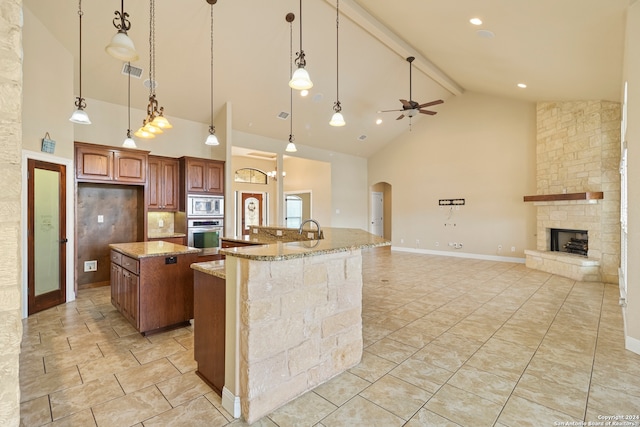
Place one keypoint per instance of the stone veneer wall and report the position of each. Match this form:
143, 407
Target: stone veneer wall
11, 177
300, 325
578, 150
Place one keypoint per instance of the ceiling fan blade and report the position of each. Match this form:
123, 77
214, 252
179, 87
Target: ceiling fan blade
387, 111
431, 113
428, 104
406, 104
400, 116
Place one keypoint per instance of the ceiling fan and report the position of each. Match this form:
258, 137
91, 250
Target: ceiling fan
411, 108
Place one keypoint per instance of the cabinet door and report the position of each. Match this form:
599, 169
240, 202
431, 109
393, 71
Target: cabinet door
214, 178
154, 187
130, 284
130, 167
196, 176
170, 180
94, 163
116, 286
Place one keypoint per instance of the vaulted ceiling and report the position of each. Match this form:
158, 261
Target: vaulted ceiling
562, 50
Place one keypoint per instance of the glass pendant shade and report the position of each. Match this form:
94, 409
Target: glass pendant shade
122, 48
143, 133
300, 80
212, 139
337, 119
291, 147
80, 116
161, 122
129, 143
149, 127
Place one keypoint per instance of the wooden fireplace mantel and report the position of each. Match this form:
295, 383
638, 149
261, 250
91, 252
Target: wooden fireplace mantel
589, 195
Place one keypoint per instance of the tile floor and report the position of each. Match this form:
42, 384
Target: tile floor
448, 342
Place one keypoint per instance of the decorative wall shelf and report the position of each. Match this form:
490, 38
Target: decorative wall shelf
590, 195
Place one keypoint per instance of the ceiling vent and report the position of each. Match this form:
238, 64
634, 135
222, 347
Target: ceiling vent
283, 115
362, 137
135, 71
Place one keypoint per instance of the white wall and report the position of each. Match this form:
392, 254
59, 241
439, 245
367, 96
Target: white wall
480, 148
632, 76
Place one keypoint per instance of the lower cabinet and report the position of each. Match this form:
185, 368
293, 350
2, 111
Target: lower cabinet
153, 293
209, 328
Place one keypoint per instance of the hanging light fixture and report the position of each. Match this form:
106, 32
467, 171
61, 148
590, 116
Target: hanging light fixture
155, 122
129, 142
291, 146
337, 119
79, 115
212, 139
300, 79
121, 46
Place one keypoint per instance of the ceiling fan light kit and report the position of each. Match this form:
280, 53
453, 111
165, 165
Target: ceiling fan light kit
121, 46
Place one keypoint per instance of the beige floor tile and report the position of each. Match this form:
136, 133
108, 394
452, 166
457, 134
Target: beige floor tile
31, 366
75, 399
391, 350
342, 388
183, 388
307, 409
107, 366
41, 385
422, 374
142, 376
360, 412
462, 407
216, 401
443, 357
196, 412
427, 418
609, 401
131, 409
79, 419
396, 396
561, 397
184, 361
528, 337
371, 368
158, 350
35, 412
414, 336
519, 412
486, 385
502, 358
78, 356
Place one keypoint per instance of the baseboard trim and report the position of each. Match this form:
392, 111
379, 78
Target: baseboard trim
459, 254
632, 344
231, 402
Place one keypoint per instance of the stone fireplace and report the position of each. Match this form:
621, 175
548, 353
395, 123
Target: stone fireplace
578, 187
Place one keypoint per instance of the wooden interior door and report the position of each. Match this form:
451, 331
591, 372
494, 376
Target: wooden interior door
252, 207
47, 235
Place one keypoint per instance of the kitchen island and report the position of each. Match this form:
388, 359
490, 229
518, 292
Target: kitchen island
152, 284
293, 316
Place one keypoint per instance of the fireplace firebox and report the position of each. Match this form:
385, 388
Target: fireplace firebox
570, 241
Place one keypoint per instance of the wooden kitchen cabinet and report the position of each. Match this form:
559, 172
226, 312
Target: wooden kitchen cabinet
99, 163
163, 191
125, 286
203, 176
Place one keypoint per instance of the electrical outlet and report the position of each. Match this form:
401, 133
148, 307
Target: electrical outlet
160, 223
437, 244
417, 243
499, 248
401, 240
513, 248
278, 232
100, 219
91, 266
310, 235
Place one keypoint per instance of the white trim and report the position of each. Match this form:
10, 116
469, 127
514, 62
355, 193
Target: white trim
632, 344
230, 402
459, 255
70, 270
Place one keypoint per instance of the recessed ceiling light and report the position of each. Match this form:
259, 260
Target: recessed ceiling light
476, 21
522, 85
378, 121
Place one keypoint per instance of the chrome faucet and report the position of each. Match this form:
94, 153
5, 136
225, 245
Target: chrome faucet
320, 236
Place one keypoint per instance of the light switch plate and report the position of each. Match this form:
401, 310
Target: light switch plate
100, 219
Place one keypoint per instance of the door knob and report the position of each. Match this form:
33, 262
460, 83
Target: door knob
64, 240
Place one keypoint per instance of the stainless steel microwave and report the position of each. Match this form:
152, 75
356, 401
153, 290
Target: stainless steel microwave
205, 206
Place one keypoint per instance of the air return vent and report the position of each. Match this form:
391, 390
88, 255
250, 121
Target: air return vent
135, 71
362, 137
283, 115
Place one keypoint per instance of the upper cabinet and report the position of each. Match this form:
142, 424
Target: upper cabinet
162, 189
203, 176
98, 163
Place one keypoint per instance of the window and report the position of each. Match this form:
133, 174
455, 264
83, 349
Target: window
293, 213
251, 176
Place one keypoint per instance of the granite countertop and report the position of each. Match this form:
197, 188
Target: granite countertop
214, 268
335, 240
150, 249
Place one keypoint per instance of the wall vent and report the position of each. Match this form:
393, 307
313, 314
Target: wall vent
283, 115
135, 71
362, 137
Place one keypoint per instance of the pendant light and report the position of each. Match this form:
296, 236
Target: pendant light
212, 139
79, 115
337, 119
291, 146
300, 79
155, 122
121, 46
129, 142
